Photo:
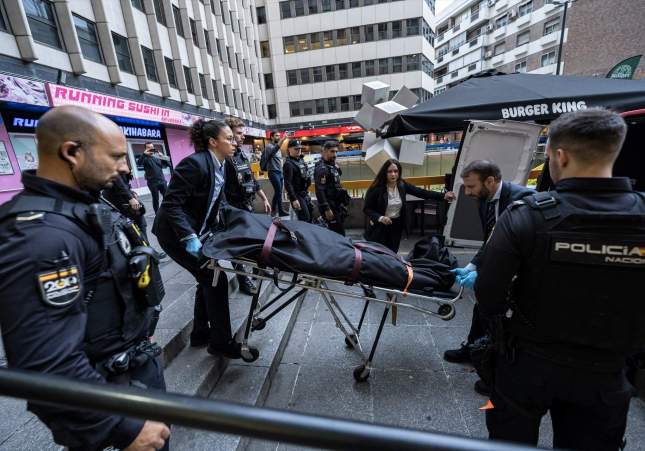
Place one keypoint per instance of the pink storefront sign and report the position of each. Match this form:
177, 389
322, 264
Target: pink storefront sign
115, 106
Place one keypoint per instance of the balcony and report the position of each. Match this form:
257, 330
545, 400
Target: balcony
482, 15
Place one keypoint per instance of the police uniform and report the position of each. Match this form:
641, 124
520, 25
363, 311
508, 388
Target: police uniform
297, 179
330, 194
241, 186
574, 260
78, 286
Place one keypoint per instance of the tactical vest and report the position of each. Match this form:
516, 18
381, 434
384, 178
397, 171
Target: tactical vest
240, 190
583, 286
302, 177
120, 303
333, 189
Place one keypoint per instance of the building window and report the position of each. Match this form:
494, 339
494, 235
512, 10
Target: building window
292, 77
88, 39
138, 4
342, 71
207, 40
149, 63
501, 22
547, 59
356, 69
193, 31
303, 45
42, 22
397, 64
179, 25
318, 74
369, 68
285, 12
369, 33
229, 58
412, 27
355, 35
307, 107
271, 110
520, 67
341, 37
339, 4
3, 23
412, 63
299, 7
159, 12
328, 39
332, 107
320, 106
215, 90
261, 12
353, 4
304, 76
170, 69
326, 5
525, 9
294, 109
397, 29
499, 49
523, 38
356, 102
227, 101
552, 26
315, 41
472, 67
264, 49
268, 81
344, 103
219, 48
289, 43
236, 95
202, 85
330, 73
189, 80
122, 53
313, 6
382, 30
383, 66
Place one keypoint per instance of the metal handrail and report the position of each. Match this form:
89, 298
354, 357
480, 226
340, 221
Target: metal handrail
232, 418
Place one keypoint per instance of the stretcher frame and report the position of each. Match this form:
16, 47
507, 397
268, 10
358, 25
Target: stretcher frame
307, 282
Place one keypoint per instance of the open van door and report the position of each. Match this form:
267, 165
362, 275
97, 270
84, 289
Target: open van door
512, 146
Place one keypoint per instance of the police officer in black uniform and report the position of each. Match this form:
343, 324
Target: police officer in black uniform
297, 179
333, 200
241, 187
77, 285
573, 259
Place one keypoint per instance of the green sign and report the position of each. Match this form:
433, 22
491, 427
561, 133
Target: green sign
625, 69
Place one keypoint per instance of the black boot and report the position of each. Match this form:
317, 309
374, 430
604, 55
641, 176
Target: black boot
461, 355
246, 285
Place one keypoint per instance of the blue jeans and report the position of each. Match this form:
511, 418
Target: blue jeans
277, 182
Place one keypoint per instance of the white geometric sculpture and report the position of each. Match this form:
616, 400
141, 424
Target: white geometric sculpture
374, 92
374, 113
378, 153
412, 151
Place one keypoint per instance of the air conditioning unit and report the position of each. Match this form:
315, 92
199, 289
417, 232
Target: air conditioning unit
488, 54
513, 14
491, 3
490, 28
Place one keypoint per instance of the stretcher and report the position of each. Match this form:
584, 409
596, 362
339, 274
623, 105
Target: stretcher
291, 286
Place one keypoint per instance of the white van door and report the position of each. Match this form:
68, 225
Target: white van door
512, 146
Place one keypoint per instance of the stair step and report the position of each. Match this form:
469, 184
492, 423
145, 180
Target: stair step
241, 382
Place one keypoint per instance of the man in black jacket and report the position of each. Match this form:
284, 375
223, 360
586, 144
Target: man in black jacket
333, 199
153, 163
572, 260
482, 179
297, 179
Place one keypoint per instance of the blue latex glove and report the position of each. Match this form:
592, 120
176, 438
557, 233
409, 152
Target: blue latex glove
193, 246
468, 281
460, 272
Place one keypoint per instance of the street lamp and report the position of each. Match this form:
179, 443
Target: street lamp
564, 3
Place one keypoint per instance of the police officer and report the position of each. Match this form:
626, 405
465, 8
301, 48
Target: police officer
297, 179
240, 188
74, 296
573, 259
333, 200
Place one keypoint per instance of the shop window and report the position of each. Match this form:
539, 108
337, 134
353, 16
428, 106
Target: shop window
170, 69
88, 39
268, 81
189, 80
122, 53
159, 12
261, 14
149, 63
42, 22
179, 25
25, 150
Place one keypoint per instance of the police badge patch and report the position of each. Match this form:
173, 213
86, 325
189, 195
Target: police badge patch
59, 288
323, 179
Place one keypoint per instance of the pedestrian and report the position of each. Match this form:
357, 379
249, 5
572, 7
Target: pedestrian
333, 199
72, 302
185, 218
482, 180
385, 203
153, 163
572, 261
297, 179
241, 188
271, 162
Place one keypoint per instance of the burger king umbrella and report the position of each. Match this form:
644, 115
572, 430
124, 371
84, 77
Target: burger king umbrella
518, 97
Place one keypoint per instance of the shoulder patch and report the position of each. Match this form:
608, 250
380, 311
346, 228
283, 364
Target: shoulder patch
60, 287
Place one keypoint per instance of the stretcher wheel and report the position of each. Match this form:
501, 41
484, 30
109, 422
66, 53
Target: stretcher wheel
349, 341
447, 312
258, 323
361, 373
250, 355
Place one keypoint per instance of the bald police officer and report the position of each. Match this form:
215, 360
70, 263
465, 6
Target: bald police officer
74, 300
568, 263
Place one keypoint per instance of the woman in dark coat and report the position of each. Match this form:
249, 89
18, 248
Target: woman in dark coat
385, 204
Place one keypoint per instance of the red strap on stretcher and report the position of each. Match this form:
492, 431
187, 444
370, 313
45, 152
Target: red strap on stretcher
268, 241
356, 270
